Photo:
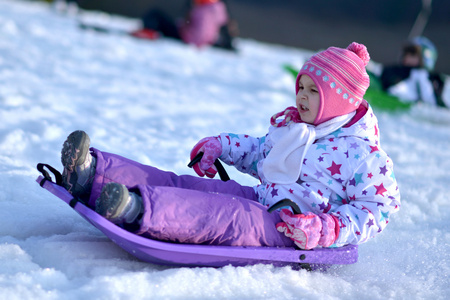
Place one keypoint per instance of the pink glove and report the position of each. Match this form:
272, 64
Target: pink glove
212, 149
309, 230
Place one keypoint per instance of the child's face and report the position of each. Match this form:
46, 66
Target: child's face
308, 99
411, 60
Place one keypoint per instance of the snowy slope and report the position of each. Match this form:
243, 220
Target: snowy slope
151, 102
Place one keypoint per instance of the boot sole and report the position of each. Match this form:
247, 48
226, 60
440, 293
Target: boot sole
75, 149
73, 153
112, 201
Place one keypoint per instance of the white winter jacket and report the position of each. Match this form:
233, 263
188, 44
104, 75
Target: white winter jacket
345, 173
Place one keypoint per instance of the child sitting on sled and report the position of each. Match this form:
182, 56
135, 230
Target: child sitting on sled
324, 154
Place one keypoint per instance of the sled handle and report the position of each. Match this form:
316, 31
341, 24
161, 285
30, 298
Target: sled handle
58, 177
285, 202
220, 169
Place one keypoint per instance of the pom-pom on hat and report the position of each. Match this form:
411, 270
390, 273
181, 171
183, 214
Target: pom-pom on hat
341, 78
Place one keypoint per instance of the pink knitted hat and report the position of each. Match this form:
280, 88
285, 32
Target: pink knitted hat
341, 78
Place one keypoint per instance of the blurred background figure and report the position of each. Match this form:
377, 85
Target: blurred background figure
413, 78
206, 22
66, 6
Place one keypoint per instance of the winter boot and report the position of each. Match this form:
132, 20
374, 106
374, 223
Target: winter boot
79, 165
118, 205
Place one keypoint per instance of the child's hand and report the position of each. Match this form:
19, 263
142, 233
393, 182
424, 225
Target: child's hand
212, 148
309, 230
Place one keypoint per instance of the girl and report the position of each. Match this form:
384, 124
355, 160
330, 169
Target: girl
324, 154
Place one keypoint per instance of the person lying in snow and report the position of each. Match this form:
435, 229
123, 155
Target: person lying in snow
324, 154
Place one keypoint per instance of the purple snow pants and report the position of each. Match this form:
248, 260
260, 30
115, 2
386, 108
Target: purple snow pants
189, 209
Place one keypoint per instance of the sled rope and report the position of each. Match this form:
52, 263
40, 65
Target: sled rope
283, 203
220, 169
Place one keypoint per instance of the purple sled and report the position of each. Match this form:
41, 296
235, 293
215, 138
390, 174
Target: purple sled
189, 255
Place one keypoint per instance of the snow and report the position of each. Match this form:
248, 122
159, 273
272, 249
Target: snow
151, 102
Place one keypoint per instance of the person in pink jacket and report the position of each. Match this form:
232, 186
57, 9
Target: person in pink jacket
324, 154
206, 23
